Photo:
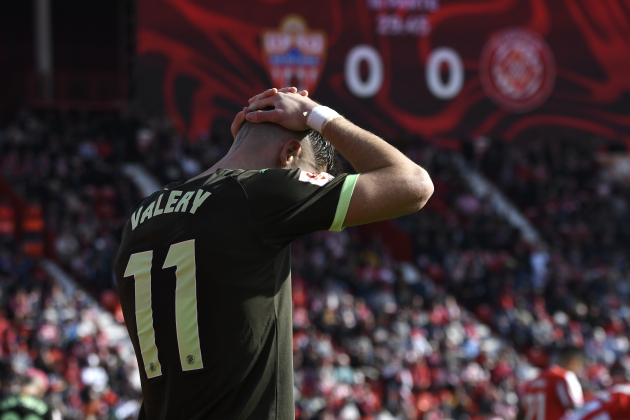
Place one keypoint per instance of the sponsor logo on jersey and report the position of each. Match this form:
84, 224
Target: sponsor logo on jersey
517, 69
293, 54
320, 179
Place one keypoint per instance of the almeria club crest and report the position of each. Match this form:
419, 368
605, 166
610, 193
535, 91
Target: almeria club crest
517, 69
293, 54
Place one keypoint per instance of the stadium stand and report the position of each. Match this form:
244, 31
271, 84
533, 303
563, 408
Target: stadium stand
43, 328
67, 170
570, 193
60, 163
447, 328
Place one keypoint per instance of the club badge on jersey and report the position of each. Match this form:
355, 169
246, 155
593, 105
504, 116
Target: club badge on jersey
320, 179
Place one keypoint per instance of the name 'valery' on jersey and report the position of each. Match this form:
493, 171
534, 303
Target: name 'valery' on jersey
182, 204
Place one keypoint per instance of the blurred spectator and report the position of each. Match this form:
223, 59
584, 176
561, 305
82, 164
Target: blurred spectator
68, 169
42, 328
28, 403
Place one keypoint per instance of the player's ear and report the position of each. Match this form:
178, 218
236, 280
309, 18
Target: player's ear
289, 154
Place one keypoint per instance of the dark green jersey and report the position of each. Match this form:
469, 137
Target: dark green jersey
203, 274
24, 407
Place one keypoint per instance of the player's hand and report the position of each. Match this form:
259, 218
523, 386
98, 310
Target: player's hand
273, 91
240, 117
290, 110
238, 122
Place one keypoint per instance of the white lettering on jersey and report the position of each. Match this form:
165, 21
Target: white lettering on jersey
148, 213
183, 202
154, 209
158, 210
135, 218
199, 199
320, 179
172, 199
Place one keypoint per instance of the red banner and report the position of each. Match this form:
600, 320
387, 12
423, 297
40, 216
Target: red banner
429, 68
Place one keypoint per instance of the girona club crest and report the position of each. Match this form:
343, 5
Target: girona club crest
517, 69
293, 54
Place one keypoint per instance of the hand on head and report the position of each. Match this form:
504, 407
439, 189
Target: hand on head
273, 91
289, 108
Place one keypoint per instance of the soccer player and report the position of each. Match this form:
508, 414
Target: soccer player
28, 405
612, 404
203, 270
556, 389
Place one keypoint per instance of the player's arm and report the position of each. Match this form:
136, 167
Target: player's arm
390, 185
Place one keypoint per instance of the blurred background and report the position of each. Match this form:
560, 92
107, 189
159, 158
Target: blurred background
518, 109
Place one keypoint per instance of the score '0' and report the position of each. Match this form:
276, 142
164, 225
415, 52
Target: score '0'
439, 88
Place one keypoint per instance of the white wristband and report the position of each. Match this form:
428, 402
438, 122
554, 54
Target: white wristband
320, 116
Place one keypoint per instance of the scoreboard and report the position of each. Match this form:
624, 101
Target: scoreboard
423, 68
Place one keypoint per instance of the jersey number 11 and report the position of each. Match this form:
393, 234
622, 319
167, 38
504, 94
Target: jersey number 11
182, 256
535, 404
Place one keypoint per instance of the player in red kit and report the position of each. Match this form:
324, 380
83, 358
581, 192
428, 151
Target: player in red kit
612, 404
555, 390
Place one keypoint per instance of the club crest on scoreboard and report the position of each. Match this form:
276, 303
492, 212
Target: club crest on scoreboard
293, 54
517, 69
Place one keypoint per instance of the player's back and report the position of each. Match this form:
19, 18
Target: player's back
551, 394
25, 407
613, 404
203, 274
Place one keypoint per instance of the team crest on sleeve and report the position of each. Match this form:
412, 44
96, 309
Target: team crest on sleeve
320, 179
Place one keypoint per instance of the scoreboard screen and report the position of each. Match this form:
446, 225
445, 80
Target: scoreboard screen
427, 68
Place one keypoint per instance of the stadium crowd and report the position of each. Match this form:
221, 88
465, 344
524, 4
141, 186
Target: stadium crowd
448, 335
578, 202
68, 167
46, 331
65, 171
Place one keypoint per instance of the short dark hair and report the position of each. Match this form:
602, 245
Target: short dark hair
26, 380
567, 353
326, 158
325, 154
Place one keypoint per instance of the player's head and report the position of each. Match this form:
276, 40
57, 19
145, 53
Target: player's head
278, 147
619, 373
571, 358
34, 383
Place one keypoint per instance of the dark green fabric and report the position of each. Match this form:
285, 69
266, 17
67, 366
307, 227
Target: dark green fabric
22, 407
242, 233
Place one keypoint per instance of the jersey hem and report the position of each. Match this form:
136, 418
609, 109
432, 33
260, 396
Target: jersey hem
344, 202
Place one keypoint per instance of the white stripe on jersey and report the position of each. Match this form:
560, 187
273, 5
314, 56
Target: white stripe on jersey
576, 398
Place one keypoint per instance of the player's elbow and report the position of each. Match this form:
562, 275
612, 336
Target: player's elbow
420, 188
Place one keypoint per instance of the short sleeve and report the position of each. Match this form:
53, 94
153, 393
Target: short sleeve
569, 391
286, 204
